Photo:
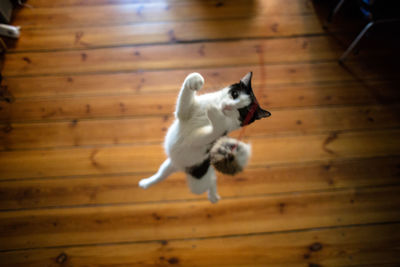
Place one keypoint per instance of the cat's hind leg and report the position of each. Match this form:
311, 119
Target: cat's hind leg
165, 170
212, 191
192, 83
207, 182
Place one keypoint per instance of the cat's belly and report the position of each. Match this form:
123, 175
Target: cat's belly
179, 149
184, 158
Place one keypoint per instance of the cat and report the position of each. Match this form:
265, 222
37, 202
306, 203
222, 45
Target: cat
200, 120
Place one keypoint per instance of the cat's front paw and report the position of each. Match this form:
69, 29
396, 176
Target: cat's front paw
213, 198
144, 183
194, 81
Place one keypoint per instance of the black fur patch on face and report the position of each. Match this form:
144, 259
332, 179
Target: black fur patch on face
259, 113
239, 88
243, 89
243, 114
199, 170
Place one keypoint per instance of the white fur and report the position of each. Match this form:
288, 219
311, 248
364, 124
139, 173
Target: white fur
243, 155
200, 121
229, 155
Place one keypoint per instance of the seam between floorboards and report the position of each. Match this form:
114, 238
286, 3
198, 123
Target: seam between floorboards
174, 20
175, 42
273, 86
199, 68
312, 229
199, 199
259, 166
222, 68
246, 138
388, 106
80, 4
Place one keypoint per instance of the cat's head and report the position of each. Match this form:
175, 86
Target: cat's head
240, 102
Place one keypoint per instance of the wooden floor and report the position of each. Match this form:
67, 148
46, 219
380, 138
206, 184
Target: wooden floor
92, 86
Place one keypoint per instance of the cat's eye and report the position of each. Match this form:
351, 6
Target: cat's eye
234, 94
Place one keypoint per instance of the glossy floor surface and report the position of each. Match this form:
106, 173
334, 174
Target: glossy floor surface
92, 85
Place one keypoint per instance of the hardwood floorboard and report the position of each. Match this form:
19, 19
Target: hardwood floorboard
370, 245
156, 11
208, 54
65, 3
290, 121
164, 32
147, 157
143, 104
88, 92
275, 179
92, 225
265, 77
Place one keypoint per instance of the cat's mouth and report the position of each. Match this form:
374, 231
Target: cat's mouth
226, 109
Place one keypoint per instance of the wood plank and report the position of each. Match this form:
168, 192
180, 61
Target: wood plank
63, 3
238, 53
138, 104
153, 129
142, 12
254, 181
33, 39
127, 223
82, 133
144, 82
143, 104
322, 187
147, 158
44, 3
343, 246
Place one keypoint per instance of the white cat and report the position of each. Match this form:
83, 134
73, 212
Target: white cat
200, 121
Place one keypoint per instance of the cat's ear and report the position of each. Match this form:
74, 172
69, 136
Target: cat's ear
247, 79
262, 113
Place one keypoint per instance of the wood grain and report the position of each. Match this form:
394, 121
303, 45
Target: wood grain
269, 76
91, 86
90, 225
157, 11
209, 54
347, 246
147, 158
165, 32
107, 189
153, 129
64, 3
142, 104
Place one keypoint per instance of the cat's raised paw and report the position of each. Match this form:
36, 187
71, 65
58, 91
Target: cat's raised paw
194, 81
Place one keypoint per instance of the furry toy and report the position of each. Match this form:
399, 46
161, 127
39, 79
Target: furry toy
193, 142
229, 155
